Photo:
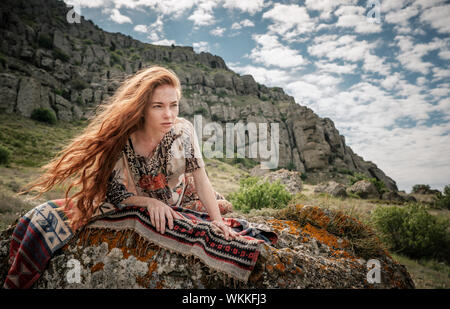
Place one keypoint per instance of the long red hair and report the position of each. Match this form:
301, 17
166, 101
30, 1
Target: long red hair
89, 159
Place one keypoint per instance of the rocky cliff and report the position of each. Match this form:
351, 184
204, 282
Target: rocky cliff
46, 62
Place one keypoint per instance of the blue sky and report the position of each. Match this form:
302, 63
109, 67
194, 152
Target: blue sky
380, 72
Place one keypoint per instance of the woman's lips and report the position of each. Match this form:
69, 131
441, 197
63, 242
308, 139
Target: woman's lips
167, 124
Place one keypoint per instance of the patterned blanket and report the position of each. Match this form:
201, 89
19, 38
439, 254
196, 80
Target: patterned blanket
41, 232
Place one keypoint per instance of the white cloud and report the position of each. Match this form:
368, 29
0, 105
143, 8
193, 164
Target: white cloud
442, 90
348, 48
411, 54
241, 24
86, 3
438, 18
203, 15
354, 17
326, 7
248, 6
336, 68
164, 42
117, 17
262, 75
218, 31
289, 21
269, 51
345, 47
171, 8
402, 16
140, 28
201, 46
390, 82
439, 73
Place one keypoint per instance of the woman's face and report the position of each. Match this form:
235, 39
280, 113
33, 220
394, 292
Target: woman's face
162, 110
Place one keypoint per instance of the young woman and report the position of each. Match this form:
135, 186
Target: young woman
135, 153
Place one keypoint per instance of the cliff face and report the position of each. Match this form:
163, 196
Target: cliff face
316, 249
71, 68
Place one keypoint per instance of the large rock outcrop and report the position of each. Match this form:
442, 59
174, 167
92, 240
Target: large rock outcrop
316, 249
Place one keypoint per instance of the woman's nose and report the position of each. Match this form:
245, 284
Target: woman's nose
167, 112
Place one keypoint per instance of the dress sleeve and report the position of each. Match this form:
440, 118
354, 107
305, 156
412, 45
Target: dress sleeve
193, 154
120, 185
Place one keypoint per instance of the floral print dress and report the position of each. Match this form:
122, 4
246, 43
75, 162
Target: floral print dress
166, 175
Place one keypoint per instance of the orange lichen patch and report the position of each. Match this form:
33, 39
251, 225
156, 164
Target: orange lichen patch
280, 267
97, 267
296, 271
269, 267
324, 237
129, 242
145, 280
280, 225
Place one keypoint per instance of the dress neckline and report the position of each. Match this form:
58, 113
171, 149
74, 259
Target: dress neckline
150, 156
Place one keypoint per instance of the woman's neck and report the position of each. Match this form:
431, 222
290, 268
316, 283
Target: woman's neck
147, 137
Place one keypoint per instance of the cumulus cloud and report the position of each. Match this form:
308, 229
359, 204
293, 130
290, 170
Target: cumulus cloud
201, 46
248, 6
117, 17
269, 51
354, 17
326, 7
411, 54
218, 31
438, 18
289, 21
242, 24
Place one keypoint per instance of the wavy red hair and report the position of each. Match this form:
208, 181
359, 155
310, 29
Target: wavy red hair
89, 159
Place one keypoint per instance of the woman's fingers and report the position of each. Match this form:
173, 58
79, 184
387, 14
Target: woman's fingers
175, 214
162, 217
152, 217
169, 219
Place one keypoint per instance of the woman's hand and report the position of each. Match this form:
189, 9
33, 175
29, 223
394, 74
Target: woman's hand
159, 212
227, 231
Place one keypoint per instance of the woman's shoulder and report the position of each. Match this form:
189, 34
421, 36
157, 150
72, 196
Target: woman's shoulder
183, 124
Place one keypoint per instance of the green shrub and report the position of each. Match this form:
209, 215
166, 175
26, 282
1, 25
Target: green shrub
79, 84
381, 187
59, 54
412, 231
114, 59
443, 200
5, 155
291, 166
420, 187
257, 194
202, 111
44, 115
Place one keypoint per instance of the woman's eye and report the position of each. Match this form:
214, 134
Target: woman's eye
175, 105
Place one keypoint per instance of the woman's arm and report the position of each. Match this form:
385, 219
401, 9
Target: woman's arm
208, 198
206, 193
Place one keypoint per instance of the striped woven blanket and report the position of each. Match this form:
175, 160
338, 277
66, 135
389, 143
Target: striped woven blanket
41, 232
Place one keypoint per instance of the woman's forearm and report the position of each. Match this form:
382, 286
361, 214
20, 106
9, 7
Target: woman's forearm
206, 194
138, 200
